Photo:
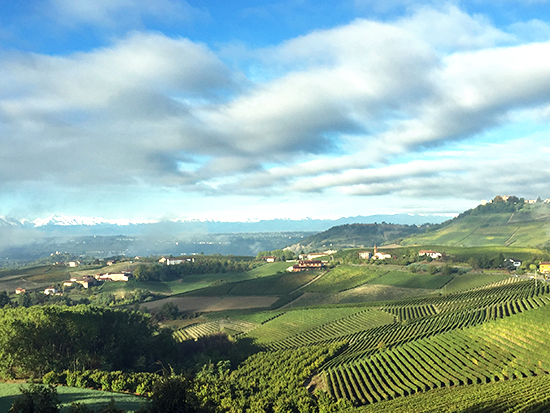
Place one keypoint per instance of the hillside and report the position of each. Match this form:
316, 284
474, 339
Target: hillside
510, 223
498, 223
358, 236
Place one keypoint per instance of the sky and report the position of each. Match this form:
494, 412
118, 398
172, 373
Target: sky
249, 110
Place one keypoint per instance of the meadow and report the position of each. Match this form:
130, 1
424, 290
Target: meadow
94, 399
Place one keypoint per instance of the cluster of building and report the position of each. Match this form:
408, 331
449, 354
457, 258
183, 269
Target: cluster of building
506, 197
176, 261
87, 281
376, 255
305, 265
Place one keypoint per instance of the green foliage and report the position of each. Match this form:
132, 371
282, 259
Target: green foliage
280, 255
265, 382
158, 272
352, 235
37, 340
36, 399
174, 394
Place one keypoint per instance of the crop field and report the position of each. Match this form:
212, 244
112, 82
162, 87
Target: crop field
192, 303
278, 284
362, 294
345, 277
409, 280
473, 280
298, 321
505, 349
531, 394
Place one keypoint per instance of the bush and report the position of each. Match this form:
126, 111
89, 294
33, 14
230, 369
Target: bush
36, 399
50, 378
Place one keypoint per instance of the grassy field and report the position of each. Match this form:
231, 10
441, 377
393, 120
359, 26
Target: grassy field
298, 321
345, 277
277, 284
92, 398
409, 280
473, 280
522, 229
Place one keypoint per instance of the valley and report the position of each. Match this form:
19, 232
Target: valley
404, 332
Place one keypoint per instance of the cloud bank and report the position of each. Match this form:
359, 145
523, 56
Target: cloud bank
427, 105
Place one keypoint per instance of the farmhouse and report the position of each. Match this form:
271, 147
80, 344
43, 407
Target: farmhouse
365, 255
50, 290
305, 265
86, 281
511, 263
73, 263
544, 267
20, 290
121, 276
269, 259
379, 255
429, 253
175, 261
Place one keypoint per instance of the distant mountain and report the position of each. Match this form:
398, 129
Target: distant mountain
56, 220
500, 223
357, 236
93, 236
77, 225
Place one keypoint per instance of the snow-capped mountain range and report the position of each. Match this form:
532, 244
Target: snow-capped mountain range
101, 226
88, 221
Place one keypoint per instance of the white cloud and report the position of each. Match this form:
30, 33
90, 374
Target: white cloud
348, 110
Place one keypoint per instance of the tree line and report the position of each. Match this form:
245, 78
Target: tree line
158, 272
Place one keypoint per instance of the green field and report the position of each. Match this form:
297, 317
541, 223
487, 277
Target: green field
527, 227
278, 284
345, 277
410, 280
94, 399
298, 321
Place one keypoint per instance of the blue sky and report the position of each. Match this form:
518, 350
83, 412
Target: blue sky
283, 109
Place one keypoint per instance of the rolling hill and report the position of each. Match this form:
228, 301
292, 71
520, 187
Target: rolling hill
358, 236
511, 223
494, 224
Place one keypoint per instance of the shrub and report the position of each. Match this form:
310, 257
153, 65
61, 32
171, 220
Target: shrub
36, 399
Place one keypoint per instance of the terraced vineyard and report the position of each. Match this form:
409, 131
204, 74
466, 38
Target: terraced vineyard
496, 351
525, 395
230, 326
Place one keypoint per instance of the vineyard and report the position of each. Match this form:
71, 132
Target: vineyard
525, 395
396, 353
447, 342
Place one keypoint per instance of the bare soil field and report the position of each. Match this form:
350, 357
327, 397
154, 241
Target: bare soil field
213, 303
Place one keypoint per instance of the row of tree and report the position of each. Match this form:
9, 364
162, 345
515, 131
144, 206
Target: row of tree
158, 272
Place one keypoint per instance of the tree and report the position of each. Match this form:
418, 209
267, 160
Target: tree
174, 394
